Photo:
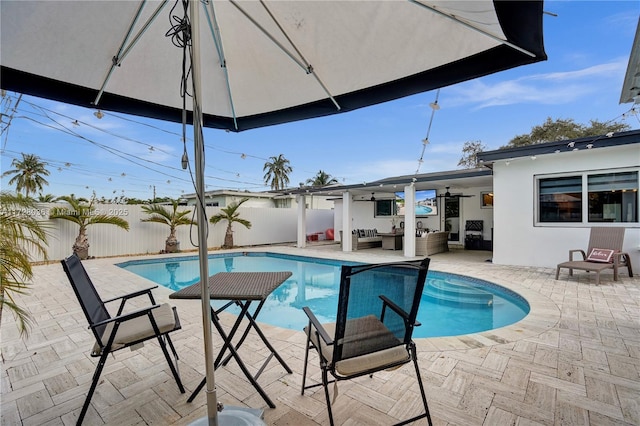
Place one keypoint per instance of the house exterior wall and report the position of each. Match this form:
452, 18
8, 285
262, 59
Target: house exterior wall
269, 226
518, 240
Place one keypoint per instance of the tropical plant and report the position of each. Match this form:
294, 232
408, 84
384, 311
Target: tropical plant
28, 174
170, 217
231, 215
21, 234
277, 172
84, 214
46, 198
321, 179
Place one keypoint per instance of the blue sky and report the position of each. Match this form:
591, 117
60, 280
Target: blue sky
588, 46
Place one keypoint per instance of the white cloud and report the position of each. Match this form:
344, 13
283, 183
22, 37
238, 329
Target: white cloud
555, 88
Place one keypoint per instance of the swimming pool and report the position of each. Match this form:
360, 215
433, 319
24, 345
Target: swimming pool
451, 304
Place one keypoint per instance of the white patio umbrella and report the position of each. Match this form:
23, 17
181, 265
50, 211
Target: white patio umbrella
255, 63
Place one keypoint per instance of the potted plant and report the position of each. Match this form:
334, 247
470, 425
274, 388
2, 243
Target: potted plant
171, 217
231, 215
84, 214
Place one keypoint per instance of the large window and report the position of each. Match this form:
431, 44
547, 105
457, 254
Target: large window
605, 197
613, 197
385, 208
560, 199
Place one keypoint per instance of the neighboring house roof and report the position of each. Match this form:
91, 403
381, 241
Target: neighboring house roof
603, 141
225, 192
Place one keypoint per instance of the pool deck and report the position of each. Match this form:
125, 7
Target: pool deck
574, 360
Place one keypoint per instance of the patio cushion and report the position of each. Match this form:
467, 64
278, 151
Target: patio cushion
370, 332
600, 255
138, 328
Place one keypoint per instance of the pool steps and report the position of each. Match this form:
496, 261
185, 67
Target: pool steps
454, 292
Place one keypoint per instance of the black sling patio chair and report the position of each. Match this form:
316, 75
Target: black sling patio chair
377, 310
124, 330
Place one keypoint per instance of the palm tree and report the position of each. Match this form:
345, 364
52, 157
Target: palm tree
20, 234
46, 198
170, 217
230, 214
277, 172
28, 174
84, 214
321, 179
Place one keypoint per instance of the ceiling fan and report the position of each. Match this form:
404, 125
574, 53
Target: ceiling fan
373, 198
448, 195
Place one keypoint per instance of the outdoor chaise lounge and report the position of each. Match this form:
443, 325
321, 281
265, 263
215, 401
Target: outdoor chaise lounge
604, 252
377, 310
124, 330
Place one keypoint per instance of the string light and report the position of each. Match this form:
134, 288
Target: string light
42, 111
434, 107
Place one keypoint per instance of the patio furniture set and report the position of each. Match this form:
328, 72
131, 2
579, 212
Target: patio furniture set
373, 329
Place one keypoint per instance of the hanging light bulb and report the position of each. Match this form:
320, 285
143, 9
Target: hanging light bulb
243, 155
185, 161
98, 114
75, 123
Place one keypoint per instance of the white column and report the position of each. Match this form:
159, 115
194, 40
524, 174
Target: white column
302, 221
409, 221
347, 225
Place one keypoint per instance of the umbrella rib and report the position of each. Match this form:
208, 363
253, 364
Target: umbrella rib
124, 49
217, 41
308, 68
473, 27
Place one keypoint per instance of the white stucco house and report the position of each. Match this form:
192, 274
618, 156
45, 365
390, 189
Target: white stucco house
548, 196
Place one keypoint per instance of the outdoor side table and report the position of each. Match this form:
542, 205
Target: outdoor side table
392, 241
241, 289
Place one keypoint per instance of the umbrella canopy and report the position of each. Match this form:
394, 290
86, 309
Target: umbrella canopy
255, 63
264, 62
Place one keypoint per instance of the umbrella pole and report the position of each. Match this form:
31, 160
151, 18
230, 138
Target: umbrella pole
198, 143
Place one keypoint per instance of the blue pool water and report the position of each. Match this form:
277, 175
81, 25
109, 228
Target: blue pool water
451, 304
423, 210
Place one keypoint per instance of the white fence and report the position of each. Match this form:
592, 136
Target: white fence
269, 226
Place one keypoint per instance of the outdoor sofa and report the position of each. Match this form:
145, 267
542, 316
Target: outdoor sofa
432, 242
364, 239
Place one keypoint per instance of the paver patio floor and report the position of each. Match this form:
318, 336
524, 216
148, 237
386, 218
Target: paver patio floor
575, 359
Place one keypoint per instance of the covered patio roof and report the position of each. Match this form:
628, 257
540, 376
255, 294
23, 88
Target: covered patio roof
465, 178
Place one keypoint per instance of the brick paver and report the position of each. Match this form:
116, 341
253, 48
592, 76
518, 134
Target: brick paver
575, 359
